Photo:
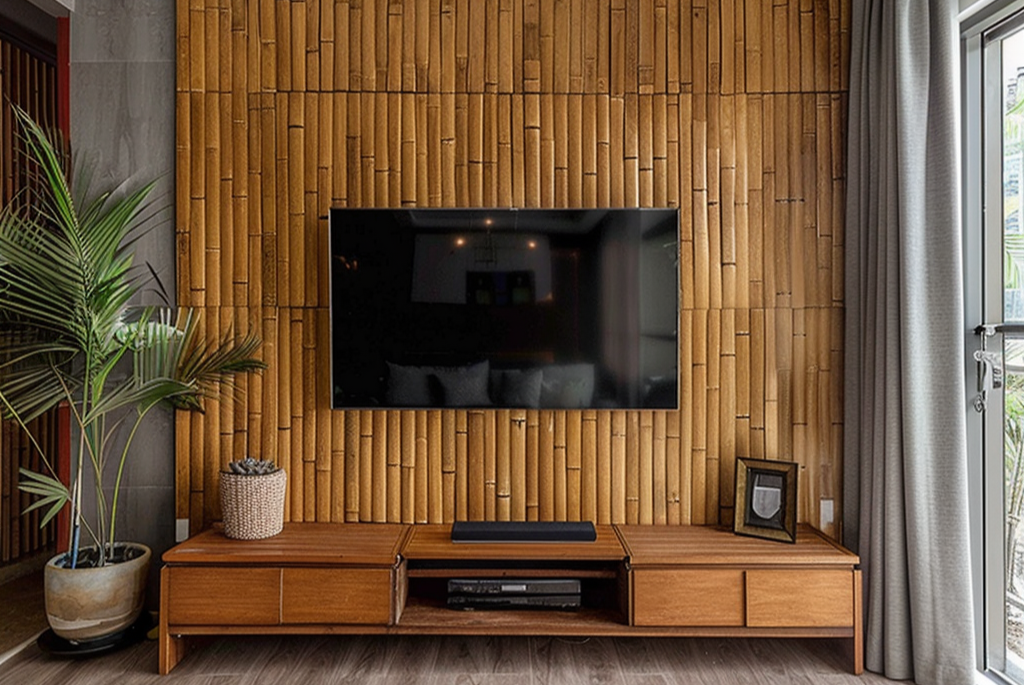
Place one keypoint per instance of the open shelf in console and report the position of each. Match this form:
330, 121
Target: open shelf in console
430, 559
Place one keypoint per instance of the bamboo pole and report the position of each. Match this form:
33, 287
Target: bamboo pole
560, 468
588, 466
532, 465
673, 472
634, 438
422, 472
546, 466
353, 466
659, 469
573, 464
645, 468
475, 466
603, 467
503, 466
392, 472
461, 459
449, 441
517, 454
379, 466
547, 150
407, 456
435, 448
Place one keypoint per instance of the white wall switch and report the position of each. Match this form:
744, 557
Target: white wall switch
827, 514
180, 530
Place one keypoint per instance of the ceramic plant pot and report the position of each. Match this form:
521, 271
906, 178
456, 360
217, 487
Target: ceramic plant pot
84, 604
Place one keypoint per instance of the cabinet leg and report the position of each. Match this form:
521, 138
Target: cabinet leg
858, 623
172, 650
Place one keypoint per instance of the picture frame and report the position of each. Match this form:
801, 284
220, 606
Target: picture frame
765, 504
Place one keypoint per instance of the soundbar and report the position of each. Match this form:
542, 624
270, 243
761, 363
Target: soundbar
523, 531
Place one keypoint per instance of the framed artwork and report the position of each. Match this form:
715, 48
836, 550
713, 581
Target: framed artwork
765, 499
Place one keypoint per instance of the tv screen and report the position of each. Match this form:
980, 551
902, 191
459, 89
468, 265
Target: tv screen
504, 308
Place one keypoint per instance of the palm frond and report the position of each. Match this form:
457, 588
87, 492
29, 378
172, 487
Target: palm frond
134, 394
181, 352
68, 328
33, 374
51, 492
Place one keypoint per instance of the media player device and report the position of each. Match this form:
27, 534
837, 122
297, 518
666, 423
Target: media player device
513, 586
514, 593
514, 602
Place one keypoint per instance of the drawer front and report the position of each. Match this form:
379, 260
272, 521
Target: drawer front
199, 596
800, 598
688, 597
339, 595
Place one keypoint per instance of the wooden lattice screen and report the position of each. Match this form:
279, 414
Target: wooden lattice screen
28, 78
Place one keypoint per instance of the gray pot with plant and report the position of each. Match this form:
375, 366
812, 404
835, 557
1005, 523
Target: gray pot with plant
72, 332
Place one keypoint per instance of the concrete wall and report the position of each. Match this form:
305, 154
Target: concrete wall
122, 122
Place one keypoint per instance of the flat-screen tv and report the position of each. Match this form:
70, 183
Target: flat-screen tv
504, 308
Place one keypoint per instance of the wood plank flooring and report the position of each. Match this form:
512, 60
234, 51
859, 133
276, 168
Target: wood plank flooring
22, 612
433, 660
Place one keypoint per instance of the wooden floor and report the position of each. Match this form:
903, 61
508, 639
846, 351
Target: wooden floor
22, 615
333, 660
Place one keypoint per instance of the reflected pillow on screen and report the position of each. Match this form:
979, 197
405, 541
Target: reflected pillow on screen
464, 386
519, 388
408, 386
567, 386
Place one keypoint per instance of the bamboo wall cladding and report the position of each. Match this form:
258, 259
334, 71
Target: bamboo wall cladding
731, 111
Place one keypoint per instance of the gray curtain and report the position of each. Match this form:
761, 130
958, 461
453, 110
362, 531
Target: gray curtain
906, 510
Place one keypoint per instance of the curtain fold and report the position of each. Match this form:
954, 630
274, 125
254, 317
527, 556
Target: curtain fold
906, 508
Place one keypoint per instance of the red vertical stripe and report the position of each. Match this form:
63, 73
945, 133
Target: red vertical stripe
64, 76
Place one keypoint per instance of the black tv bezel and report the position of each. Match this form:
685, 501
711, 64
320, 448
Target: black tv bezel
450, 210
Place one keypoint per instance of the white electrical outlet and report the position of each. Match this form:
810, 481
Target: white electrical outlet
180, 530
827, 514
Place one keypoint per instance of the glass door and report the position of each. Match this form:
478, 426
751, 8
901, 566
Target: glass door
994, 267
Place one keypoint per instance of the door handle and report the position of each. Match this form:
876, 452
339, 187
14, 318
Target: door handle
990, 370
990, 362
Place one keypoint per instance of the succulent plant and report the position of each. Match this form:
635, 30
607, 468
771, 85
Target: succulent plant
252, 467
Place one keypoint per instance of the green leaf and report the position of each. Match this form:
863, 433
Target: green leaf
68, 328
51, 491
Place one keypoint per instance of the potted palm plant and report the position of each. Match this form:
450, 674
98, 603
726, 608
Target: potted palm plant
72, 332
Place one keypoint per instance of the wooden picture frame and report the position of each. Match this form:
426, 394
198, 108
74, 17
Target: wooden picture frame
765, 505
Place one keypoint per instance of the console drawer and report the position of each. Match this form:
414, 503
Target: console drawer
796, 598
337, 595
688, 597
211, 595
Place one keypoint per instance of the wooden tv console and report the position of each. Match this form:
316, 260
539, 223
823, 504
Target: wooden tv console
391, 578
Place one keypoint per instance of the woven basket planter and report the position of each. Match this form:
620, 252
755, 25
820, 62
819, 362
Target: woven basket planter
252, 505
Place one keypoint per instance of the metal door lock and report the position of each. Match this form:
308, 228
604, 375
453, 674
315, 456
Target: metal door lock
990, 370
